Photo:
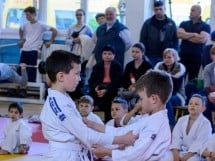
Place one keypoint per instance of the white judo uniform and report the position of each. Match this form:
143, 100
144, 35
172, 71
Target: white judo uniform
63, 127
95, 118
154, 138
210, 145
198, 135
16, 133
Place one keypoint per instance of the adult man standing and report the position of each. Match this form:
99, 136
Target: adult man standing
114, 33
194, 34
158, 33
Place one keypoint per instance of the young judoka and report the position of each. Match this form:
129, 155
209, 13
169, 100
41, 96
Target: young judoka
154, 89
17, 134
190, 133
69, 138
85, 107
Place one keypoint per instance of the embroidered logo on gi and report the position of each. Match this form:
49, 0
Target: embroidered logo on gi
153, 136
56, 109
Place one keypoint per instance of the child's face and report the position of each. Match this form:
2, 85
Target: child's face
14, 114
195, 106
146, 102
100, 20
117, 111
85, 109
136, 53
30, 17
71, 79
107, 56
168, 59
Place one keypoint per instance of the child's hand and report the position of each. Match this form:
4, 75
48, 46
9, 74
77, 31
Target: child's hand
23, 149
100, 151
23, 65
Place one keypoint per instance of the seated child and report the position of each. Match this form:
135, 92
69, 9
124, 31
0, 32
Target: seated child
209, 149
190, 133
119, 108
85, 107
120, 114
17, 133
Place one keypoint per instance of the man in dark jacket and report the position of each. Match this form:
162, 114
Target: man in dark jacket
158, 33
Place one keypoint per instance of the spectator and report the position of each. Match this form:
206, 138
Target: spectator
79, 37
105, 80
209, 86
158, 33
206, 56
114, 33
194, 33
31, 35
177, 71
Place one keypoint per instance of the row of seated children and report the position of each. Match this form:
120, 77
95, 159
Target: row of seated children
17, 133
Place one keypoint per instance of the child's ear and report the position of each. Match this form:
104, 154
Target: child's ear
203, 108
21, 115
154, 98
92, 107
60, 76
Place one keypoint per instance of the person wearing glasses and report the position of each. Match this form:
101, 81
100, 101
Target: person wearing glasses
74, 38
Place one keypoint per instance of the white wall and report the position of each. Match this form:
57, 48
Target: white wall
136, 12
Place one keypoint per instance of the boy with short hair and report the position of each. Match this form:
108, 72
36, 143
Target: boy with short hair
154, 89
190, 133
17, 132
69, 138
119, 108
31, 35
85, 107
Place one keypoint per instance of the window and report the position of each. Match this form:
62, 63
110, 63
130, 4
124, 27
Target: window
61, 13
181, 9
13, 16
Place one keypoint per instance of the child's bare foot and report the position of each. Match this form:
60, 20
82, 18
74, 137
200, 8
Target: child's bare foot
23, 149
3, 151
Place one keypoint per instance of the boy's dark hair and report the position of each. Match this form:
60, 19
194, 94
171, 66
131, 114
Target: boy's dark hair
60, 61
17, 106
158, 3
140, 46
80, 10
30, 9
156, 82
109, 48
98, 15
121, 101
201, 97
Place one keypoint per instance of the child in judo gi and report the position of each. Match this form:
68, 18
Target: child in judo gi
17, 134
69, 138
190, 133
154, 89
85, 107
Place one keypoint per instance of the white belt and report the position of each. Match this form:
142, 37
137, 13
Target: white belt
66, 145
